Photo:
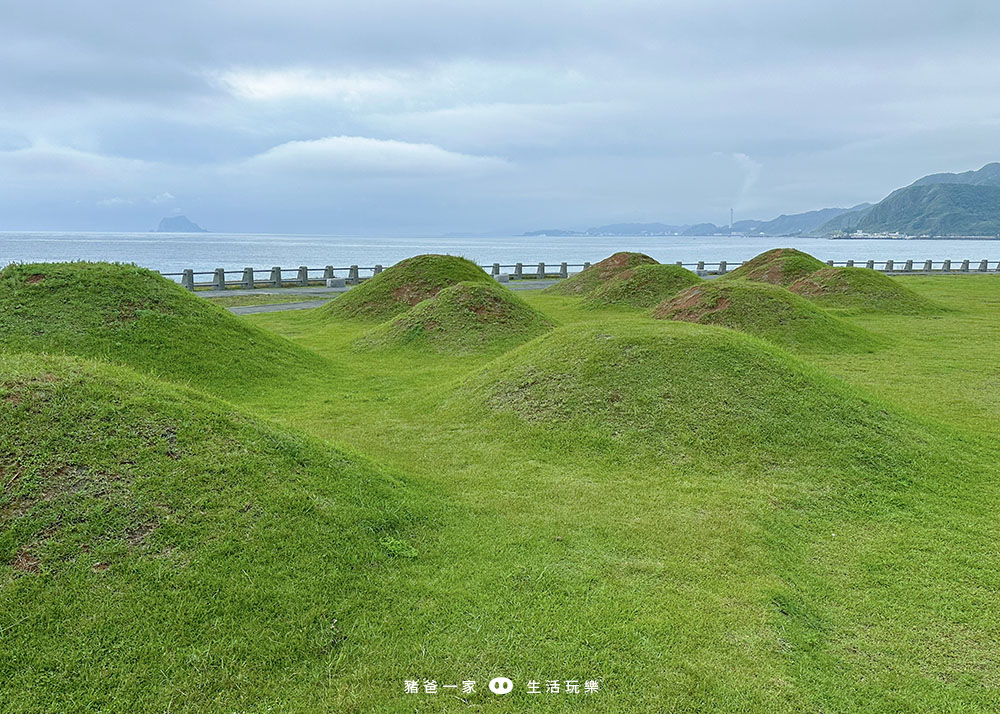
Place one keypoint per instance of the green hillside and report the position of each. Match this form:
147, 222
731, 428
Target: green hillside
402, 286
767, 311
136, 317
164, 551
642, 287
937, 209
862, 290
989, 175
778, 266
692, 518
934, 209
463, 318
599, 273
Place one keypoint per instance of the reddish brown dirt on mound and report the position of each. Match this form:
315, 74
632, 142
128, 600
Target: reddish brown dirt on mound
683, 307
609, 267
776, 270
128, 312
137, 536
18, 389
809, 288
412, 293
34, 278
491, 306
779, 266
26, 562
822, 282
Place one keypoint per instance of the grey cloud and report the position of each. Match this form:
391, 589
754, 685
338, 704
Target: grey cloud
451, 115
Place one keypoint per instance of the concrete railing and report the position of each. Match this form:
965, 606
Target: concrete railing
926, 267
303, 276
276, 277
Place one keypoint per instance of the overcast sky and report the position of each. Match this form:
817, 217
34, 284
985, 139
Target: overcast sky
408, 116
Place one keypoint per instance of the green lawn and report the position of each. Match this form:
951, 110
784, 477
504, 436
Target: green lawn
699, 520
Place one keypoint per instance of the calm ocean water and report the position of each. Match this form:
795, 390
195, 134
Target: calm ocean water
174, 252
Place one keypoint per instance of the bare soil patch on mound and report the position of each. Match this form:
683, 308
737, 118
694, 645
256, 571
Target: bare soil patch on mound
599, 273
767, 311
780, 266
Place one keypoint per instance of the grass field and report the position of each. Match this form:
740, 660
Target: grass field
260, 299
693, 517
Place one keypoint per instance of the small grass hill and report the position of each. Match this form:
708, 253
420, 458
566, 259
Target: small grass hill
780, 266
767, 311
402, 286
213, 558
462, 318
673, 386
133, 316
642, 287
862, 290
599, 273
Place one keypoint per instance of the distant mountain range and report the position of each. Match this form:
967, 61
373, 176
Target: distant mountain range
783, 225
966, 204
178, 224
939, 205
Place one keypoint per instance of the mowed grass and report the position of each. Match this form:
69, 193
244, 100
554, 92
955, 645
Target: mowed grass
261, 299
132, 316
693, 517
834, 572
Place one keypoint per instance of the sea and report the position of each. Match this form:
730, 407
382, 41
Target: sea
172, 253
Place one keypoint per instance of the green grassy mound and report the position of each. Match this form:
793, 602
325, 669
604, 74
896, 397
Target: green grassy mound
670, 383
463, 318
211, 558
862, 290
767, 311
402, 286
781, 266
133, 316
642, 287
599, 273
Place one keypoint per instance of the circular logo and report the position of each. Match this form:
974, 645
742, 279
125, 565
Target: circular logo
501, 685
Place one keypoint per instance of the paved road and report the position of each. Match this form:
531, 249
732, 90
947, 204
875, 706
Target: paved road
277, 307
271, 291
327, 293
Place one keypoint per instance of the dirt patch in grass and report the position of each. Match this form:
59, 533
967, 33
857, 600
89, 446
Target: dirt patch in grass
66, 481
34, 279
413, 293
690, 307
26, 562
28, 388
137, 536
600, 273
780, 266
615, 264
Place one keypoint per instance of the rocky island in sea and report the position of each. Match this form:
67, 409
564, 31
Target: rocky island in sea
178, 224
